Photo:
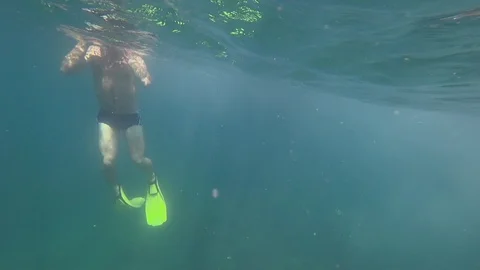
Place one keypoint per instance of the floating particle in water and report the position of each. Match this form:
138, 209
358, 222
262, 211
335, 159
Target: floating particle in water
215, 193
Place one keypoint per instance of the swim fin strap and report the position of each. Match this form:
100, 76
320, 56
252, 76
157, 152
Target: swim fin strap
136, 202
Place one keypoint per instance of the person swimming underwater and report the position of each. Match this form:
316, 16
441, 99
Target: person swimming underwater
114, 72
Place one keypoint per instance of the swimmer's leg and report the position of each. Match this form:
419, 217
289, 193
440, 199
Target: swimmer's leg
155, 206
136, 144
108, 143
108, 147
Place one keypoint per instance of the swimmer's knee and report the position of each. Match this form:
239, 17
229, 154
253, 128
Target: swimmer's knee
141, 160
108, 161
147, 161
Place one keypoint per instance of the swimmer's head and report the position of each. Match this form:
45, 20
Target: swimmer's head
113, 52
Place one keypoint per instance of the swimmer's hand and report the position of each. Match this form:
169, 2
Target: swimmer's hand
147, 81
139, 68
93, 53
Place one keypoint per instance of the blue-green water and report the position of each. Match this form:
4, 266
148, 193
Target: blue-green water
340, 135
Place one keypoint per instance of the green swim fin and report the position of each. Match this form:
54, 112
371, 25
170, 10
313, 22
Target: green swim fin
136, 202
155, 206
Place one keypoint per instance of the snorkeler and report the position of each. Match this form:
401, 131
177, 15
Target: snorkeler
114, 71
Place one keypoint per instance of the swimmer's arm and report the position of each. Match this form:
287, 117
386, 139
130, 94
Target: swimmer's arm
74, 60
140, 68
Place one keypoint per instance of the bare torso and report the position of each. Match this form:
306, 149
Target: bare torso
114, 84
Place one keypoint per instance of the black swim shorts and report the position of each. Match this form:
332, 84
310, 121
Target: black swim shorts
118, 121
